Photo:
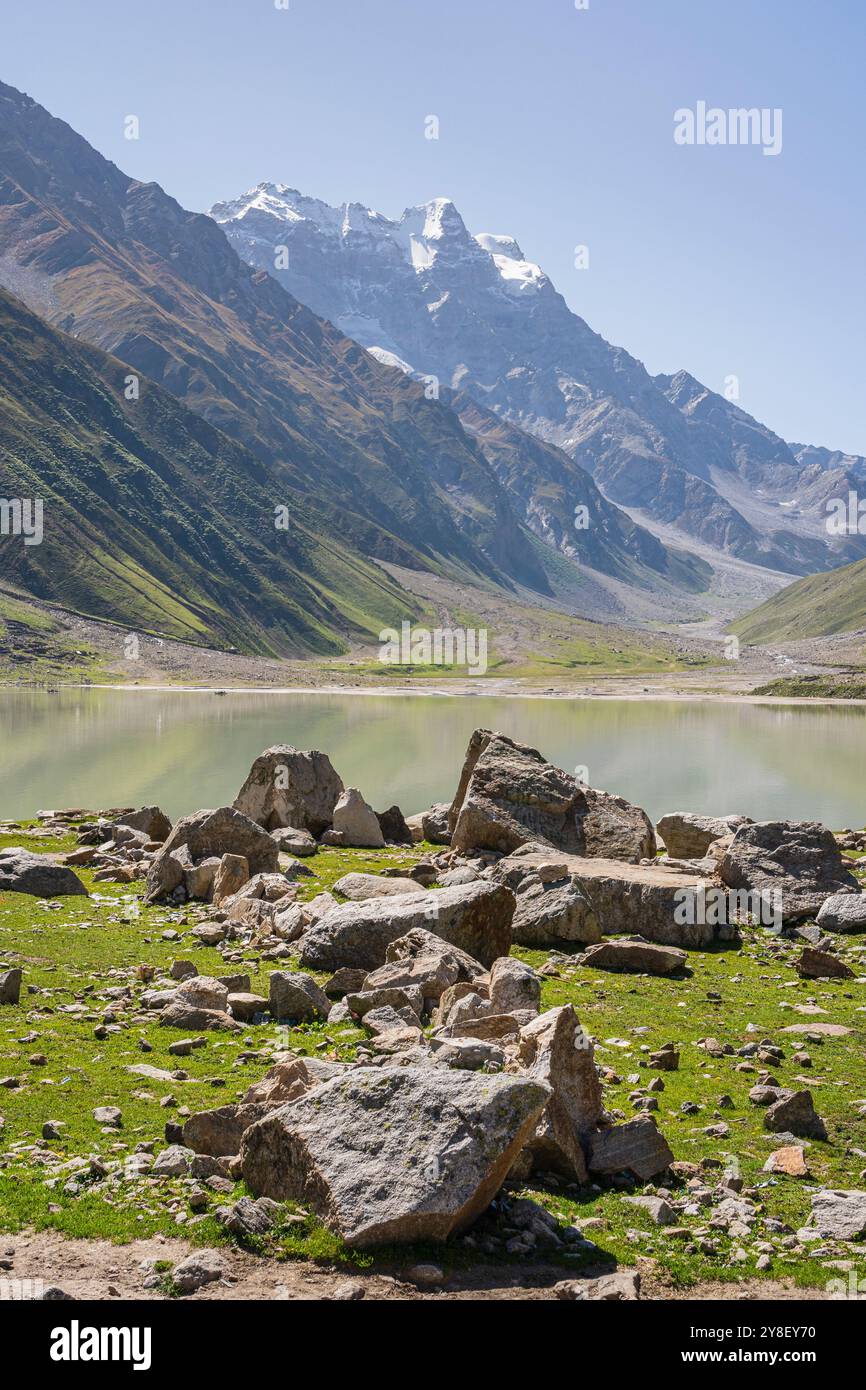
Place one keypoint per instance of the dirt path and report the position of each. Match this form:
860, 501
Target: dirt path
99, 1270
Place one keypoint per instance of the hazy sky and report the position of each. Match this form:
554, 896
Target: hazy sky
556, 126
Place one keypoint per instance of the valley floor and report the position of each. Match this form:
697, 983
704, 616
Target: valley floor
534, 653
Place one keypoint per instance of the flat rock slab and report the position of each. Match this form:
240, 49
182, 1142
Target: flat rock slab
360, 887
641, 899
389, 1154
476, 917
640, 957
830, 1030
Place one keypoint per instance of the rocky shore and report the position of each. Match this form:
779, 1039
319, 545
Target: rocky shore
415, 1084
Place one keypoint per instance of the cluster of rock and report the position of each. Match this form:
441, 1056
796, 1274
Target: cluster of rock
463, 1081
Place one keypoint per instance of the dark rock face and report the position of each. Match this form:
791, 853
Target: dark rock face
476, 917
634, 1147
509, 795
209, 834
794, 1112
288, 787
821, 965
24, 872
394, 829
798, 860
437, 1145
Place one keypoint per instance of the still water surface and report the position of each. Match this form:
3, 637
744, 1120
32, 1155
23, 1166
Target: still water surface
188, 749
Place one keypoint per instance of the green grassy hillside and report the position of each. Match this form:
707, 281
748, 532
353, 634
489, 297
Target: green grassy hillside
153, 518
816, 606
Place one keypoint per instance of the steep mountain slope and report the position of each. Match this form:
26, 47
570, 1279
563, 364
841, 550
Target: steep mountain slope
472, 311
154, 518
830, 459
563, 506
354, 447
783, 496
819, 606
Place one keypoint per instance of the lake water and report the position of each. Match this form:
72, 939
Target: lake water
187, 749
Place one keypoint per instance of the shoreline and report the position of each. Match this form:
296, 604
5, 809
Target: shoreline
461, 691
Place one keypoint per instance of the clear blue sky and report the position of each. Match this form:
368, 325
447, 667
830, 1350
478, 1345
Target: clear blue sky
556, 127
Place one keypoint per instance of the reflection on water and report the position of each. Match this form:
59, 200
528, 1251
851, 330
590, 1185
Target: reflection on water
186, 749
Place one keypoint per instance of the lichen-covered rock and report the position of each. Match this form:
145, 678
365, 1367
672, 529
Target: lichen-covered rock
510, 795
289, 787
798, 860
394, 1154
475, 917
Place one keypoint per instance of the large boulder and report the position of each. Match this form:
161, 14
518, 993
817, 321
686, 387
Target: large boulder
822, 965
424, 962
793, 1112
798, 860
356, 822
476, 917
509, 795
288, 787
393, 825
555, 1049
22, 871
687, 836
218, 1133
207, 835
153, 822
514, 986
394, 1154
642, 899
843, 912
10, 985
435, 824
